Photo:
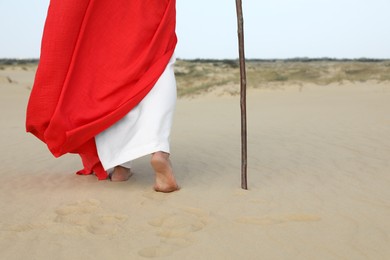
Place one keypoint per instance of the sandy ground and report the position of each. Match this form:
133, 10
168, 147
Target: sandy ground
319, 182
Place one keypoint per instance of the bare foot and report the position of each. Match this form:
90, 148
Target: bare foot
165, 181
120, 174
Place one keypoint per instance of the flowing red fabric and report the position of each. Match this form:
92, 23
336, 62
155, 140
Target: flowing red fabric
99, 59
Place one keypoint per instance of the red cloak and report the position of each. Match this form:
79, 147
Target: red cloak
99, 59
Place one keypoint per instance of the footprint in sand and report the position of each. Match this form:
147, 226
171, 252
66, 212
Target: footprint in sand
175, 231
79, 217
273, 220
154, 197
89, 216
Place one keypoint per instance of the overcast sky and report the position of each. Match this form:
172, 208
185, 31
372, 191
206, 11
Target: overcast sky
207, 28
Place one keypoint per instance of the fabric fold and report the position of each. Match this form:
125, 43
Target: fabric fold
99, 59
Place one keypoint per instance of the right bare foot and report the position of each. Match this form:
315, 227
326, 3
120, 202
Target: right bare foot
120, 174
165, 180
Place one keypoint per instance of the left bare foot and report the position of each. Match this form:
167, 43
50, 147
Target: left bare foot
120, 174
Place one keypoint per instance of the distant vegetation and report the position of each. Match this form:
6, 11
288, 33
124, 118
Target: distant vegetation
197, 76
200, 75
9, 62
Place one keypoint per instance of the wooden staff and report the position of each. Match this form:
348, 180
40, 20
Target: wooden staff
240, 23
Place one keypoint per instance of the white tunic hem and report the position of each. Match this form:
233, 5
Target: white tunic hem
124, 159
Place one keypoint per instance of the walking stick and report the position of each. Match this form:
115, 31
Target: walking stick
240, 24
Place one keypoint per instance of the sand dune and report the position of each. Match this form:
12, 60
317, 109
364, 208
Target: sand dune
319, 178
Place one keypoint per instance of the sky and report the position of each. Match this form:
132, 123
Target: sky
207, 29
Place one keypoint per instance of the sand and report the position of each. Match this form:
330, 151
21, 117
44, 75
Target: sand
318, 176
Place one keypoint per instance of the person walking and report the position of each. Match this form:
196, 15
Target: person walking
105, 86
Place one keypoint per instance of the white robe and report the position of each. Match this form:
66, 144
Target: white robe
145, 129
